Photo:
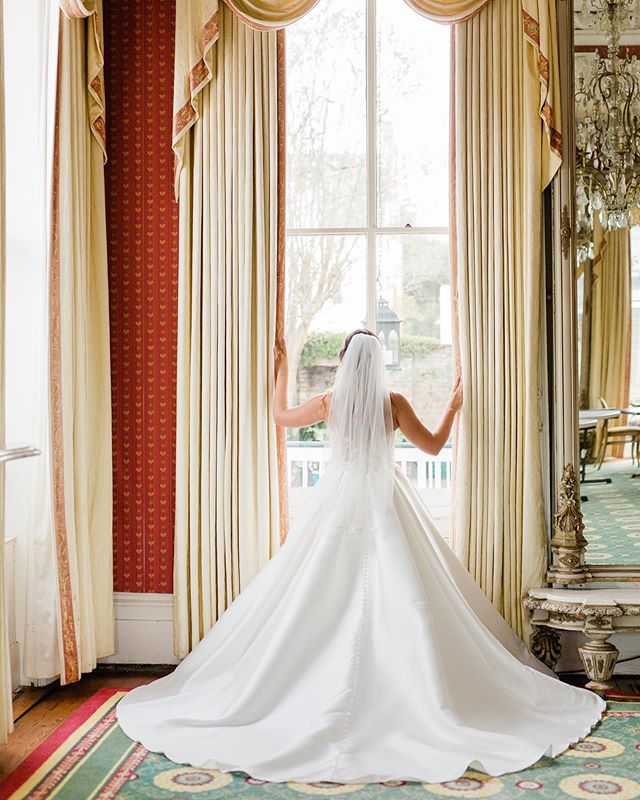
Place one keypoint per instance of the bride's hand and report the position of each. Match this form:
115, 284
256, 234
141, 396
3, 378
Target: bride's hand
280, 354
455, 401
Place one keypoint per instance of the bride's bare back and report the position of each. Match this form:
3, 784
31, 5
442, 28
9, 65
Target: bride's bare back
316, 409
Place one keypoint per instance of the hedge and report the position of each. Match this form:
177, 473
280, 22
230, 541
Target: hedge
325, 346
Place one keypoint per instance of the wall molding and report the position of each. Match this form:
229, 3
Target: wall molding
143, 629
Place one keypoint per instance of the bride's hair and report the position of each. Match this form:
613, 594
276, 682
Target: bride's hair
350, 337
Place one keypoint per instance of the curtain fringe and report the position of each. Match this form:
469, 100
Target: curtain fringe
281, 434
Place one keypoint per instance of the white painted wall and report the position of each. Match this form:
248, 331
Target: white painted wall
144, 629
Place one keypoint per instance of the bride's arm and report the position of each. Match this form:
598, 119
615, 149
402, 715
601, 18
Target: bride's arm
417, 433
313, 410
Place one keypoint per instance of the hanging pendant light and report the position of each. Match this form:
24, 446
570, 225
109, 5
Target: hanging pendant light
608, 124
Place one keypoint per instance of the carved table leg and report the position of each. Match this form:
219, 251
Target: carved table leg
599, 658
545, 645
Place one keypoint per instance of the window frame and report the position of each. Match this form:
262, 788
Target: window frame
372, 231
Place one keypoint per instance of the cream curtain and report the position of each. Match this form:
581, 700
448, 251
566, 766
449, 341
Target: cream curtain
506, 151
80, 350
69, 613
6, 708
226, 463
610, 340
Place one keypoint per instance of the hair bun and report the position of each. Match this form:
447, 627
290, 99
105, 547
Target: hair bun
350, 336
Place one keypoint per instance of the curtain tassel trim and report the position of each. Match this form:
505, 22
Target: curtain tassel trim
76, 9
199, 76
531, 28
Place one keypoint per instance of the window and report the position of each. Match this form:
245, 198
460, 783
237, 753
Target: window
28, 29
368, 213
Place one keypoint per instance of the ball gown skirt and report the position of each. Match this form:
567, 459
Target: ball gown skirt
362, 652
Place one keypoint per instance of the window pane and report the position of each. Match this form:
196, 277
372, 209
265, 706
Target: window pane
414, 318
413, 118
414, 326
325, 299
326, 116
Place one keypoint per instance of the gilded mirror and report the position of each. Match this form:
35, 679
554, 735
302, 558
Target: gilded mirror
596, 321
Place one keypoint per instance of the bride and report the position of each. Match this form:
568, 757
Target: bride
363, 651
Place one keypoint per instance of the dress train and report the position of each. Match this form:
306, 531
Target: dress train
360, 653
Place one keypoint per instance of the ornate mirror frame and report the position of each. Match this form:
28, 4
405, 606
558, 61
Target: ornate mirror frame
568, 563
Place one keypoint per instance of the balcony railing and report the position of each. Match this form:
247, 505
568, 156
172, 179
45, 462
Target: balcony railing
306, 462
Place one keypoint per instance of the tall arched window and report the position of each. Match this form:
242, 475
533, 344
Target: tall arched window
367, 116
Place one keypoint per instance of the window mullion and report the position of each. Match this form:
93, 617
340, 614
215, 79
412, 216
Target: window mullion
371, 161
363, 231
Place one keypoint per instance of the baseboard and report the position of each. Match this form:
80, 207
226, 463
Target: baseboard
144, 629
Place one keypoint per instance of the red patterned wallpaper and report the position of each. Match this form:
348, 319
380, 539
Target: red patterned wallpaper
142, 230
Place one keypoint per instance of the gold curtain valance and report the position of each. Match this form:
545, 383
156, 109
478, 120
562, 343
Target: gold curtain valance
271, 14
76, 9
81, 10
447, 11
197, 30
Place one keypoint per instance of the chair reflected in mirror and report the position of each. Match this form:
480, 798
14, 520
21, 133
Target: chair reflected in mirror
591, 439
620, 435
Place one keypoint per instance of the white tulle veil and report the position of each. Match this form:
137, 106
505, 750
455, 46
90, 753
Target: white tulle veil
360, 426
360, 423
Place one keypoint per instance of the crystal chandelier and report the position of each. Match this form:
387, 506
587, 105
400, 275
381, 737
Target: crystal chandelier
608, 124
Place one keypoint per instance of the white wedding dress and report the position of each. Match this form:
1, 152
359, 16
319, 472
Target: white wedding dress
363, 651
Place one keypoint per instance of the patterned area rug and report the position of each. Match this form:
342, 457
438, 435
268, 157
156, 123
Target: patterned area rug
612, 514
90, 758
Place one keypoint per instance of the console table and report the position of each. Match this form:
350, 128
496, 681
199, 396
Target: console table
598, 613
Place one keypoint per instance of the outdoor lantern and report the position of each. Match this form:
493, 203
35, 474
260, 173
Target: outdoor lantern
388, 324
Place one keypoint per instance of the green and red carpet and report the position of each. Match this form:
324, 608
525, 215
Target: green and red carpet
612, 514
89, 758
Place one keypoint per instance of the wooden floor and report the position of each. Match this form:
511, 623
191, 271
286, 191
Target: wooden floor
38, 712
